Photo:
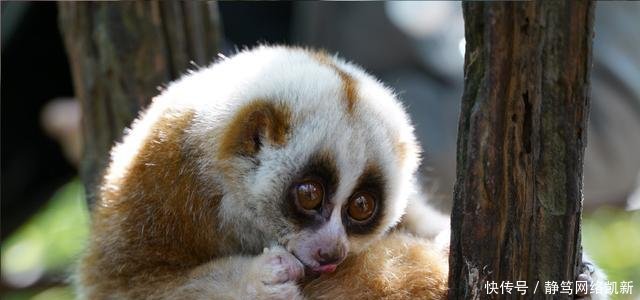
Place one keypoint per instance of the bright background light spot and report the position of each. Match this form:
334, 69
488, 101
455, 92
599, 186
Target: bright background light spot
461, 46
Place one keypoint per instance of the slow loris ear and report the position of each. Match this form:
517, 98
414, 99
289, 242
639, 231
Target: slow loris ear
255, 124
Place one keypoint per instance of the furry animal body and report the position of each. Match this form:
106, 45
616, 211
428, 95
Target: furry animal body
279, 173
244, 176
396, 267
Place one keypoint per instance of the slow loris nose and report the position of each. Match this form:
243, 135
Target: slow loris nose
330, 245
330, 257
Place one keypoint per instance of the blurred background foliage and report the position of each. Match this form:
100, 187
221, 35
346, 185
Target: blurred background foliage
611, 236
41, 253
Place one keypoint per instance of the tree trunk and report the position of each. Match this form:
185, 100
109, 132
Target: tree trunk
120, 53
521, 140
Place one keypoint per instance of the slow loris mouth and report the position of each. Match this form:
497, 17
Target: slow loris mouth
313, 272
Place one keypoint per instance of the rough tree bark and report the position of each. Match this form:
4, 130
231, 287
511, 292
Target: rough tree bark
521, 140
120, 53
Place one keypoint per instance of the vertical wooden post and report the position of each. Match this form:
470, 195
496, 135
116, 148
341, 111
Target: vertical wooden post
120, 54
521, 140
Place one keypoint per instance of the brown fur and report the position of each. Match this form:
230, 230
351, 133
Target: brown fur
397, 267
349, 86
155, 223
257, 118
401, 151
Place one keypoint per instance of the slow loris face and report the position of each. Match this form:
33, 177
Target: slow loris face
310, 152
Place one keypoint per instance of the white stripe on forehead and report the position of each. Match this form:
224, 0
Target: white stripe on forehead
351, 155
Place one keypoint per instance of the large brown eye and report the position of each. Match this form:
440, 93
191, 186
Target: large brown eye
361, 206
309, 194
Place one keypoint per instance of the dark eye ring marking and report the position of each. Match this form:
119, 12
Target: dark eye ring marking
319, 174
363, 212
